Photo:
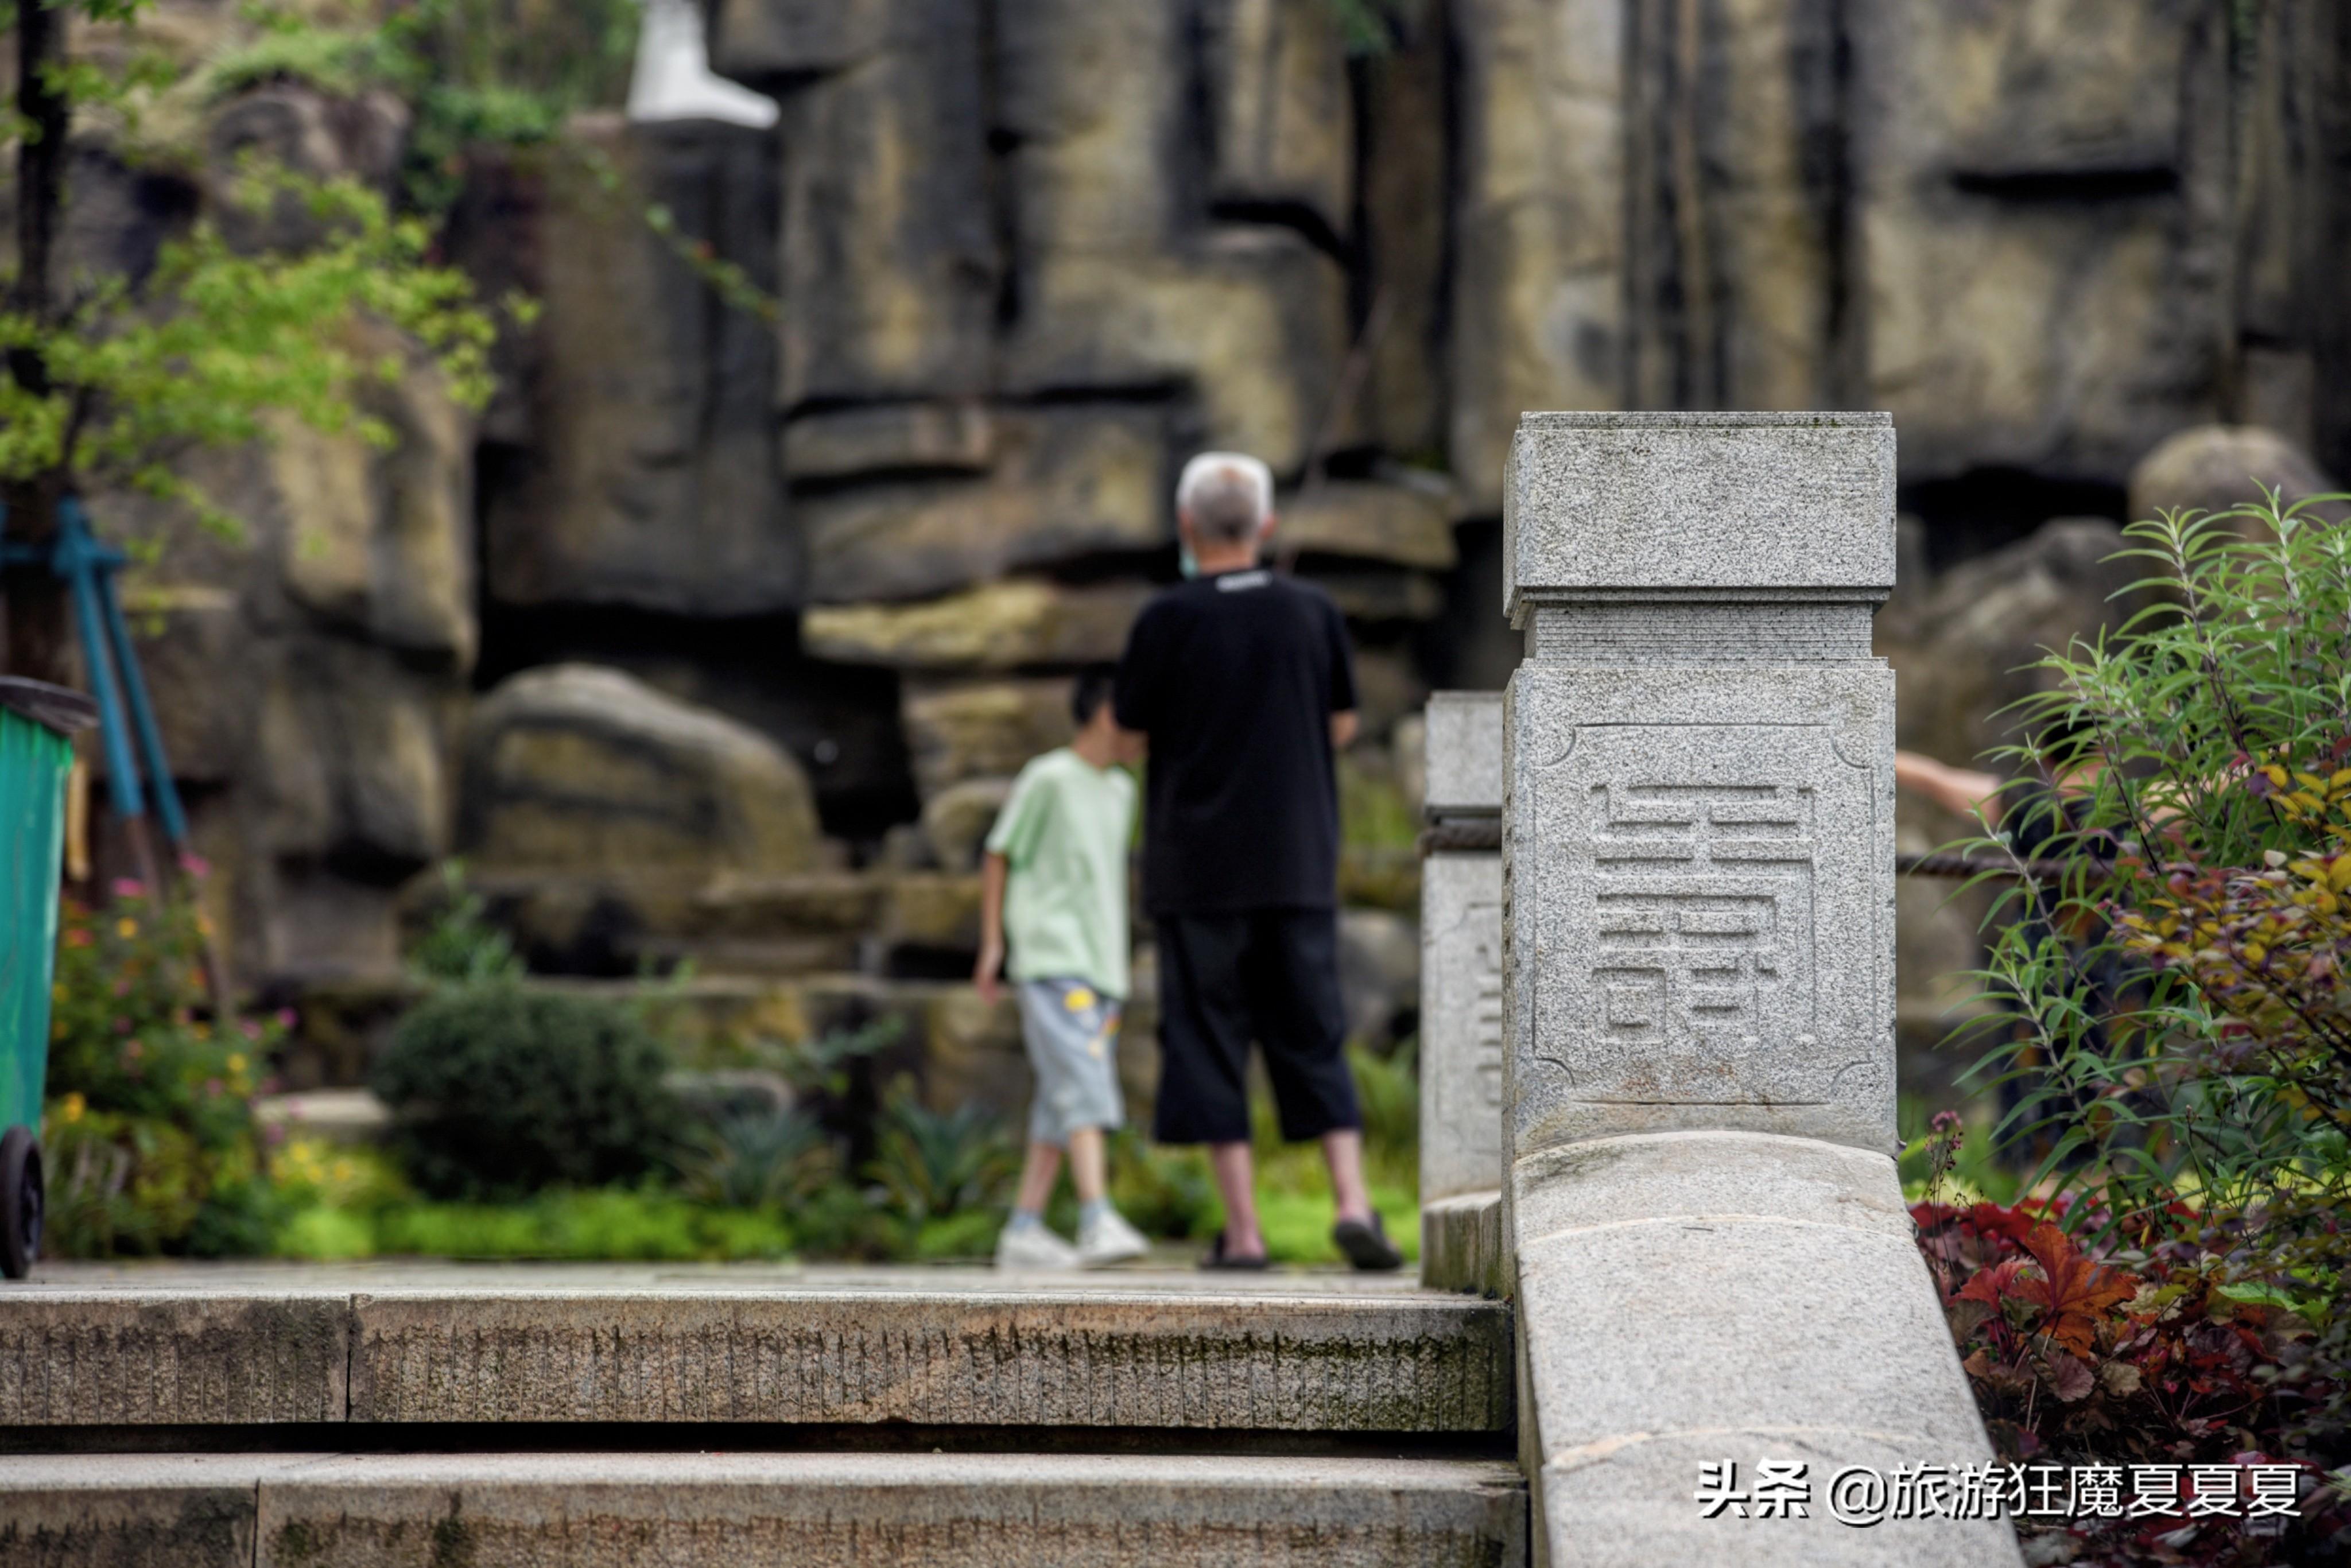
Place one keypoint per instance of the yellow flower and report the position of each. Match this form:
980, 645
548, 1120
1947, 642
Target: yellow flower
345, 1170
236, 1061
74, 1106
126, 929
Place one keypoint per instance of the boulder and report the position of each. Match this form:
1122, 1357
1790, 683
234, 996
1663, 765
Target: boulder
839, 721
1963, 654
1280, 113
958, 818
2040, 206
889, 242
1000, 625
886, 438
1400, 524
577, 767
2214, 467
1069, 482
982, 729
652, 480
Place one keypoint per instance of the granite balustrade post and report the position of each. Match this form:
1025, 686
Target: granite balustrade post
1713, 1261
1461, 997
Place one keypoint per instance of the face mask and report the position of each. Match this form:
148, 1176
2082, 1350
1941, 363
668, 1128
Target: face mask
1187, 563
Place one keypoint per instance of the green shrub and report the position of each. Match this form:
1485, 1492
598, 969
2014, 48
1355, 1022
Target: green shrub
460, 945
148, 1133
496, 1091
2175, 1041
757, 1160
933, 1165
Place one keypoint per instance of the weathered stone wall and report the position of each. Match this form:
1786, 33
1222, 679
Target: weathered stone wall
1029, 254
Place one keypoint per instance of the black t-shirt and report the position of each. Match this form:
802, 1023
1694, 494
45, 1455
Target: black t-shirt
1234, 678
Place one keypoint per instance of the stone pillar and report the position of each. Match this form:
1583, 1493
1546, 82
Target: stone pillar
1461, 997
1713, 1261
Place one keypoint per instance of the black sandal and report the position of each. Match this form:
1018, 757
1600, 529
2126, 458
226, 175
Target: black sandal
1367, 1247
1218, 1258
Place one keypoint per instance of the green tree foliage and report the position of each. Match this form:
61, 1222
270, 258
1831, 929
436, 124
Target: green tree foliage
112, 379
496, 1092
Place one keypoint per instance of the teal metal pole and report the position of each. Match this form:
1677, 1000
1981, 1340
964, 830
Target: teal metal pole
105, 562
73, 562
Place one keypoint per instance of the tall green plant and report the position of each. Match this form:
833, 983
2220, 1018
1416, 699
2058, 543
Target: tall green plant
2171, 944
2184, 786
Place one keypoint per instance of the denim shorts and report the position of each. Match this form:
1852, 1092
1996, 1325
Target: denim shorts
1071, 1032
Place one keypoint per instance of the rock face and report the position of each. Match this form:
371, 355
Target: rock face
579, 768
1965, 653
889, 251
2041, 202
1021, 260
1067, 485
650, 478
998, 625
963, 730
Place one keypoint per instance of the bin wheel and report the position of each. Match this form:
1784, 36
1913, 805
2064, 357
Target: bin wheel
21, 1202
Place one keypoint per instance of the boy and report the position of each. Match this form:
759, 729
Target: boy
1054, 882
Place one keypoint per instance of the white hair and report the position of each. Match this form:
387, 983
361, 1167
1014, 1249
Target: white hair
1229, 495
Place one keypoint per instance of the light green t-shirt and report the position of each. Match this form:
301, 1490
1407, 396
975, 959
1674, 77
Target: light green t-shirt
1065, 833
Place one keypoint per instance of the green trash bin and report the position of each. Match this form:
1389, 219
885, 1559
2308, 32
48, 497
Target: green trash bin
37, 722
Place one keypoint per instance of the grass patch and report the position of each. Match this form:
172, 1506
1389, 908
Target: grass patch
608, 1223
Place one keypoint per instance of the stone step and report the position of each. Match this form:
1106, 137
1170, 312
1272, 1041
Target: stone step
859, 1347
716, 1511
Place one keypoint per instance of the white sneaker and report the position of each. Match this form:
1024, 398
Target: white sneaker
1110, 1239
1034, 1247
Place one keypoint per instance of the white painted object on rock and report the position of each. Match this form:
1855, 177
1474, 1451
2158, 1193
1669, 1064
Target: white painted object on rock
1712, 1260
673, 79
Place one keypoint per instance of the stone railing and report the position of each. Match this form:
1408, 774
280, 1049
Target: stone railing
1699, 1217
1461, 1061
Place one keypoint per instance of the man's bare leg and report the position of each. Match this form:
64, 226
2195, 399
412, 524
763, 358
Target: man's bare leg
1343, 1150
1037, 1173
1089, 1164
1237, 1180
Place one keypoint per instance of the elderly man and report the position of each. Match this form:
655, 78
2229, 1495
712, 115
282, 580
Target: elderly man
1242, 684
